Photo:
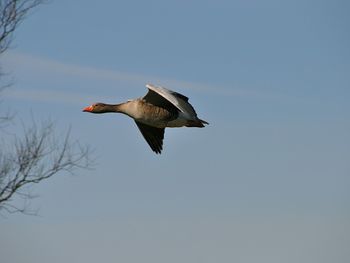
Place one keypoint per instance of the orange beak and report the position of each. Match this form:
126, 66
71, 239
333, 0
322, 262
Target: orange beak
88, 108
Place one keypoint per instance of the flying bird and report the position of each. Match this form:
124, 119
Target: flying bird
158, 109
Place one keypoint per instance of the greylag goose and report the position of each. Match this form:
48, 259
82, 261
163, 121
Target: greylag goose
158, 109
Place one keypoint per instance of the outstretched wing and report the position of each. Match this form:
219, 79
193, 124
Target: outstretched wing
158, 100
154, 136
167, 97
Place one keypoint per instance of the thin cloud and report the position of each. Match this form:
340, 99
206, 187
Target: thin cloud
37, 64
43, 66
50, 96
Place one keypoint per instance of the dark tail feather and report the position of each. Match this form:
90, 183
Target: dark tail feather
196, 123
204, 122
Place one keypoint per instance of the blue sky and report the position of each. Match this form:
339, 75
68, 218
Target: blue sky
267, 181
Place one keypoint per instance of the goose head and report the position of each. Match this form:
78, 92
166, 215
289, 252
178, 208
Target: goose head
98, 108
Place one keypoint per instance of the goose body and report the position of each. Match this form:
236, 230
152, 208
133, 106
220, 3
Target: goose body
158, 109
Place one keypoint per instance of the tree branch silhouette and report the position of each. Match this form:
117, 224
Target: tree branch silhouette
38, 154
12, 13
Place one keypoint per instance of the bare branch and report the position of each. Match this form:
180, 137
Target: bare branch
37, 156
12, 13
39, 153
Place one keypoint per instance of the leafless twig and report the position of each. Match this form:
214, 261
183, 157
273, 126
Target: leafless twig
35, 157
12, 13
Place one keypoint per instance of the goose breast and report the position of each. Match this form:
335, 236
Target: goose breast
150, 114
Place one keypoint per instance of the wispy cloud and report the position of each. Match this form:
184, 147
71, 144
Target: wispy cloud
40, 95
43, 66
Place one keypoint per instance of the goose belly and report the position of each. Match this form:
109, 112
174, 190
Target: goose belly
155, 116
158, 123
162, 123
152, 115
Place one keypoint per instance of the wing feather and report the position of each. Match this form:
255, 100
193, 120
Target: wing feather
154, 136
178, 100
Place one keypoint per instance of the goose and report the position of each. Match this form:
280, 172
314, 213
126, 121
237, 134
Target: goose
160, 108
